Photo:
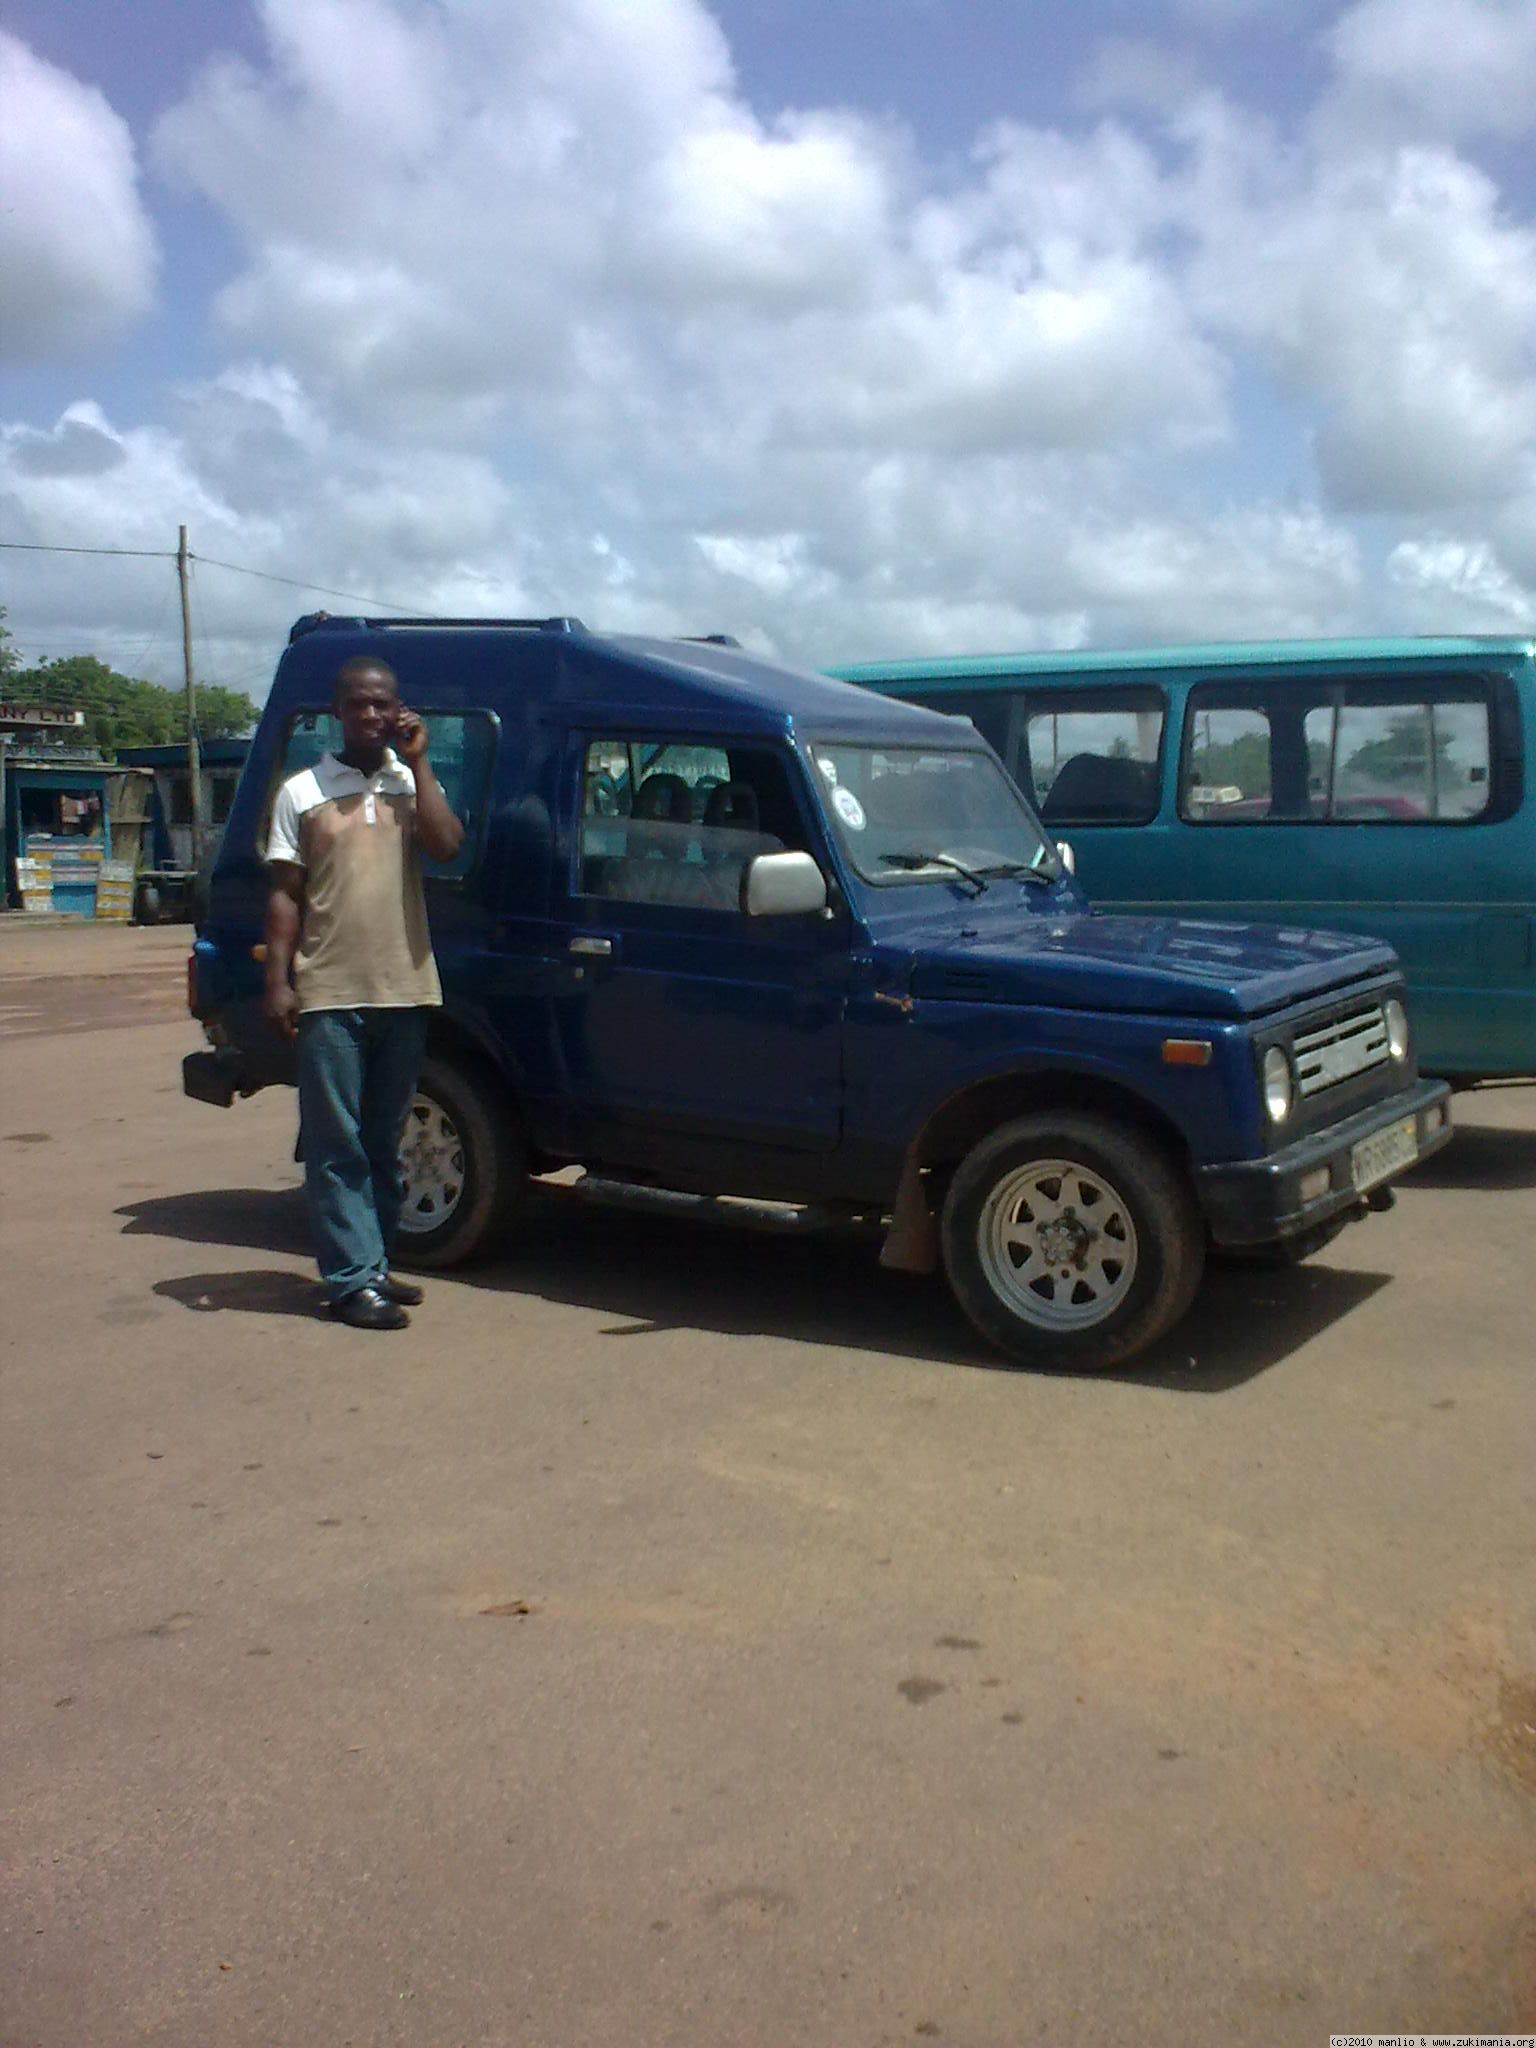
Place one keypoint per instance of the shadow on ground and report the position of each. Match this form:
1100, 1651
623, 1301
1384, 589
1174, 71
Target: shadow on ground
276, 1291
660, 1274
1480, 1156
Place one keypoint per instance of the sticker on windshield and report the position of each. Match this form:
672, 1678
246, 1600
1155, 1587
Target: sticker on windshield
849, 809
828, 768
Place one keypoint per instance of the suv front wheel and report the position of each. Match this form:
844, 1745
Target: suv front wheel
1071, 1240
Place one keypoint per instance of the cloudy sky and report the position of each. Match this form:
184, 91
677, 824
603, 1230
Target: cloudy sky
877, 327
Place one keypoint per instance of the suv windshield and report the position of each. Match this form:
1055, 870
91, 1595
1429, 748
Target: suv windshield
910, 814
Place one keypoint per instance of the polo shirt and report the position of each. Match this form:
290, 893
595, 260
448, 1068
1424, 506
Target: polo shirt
363, 943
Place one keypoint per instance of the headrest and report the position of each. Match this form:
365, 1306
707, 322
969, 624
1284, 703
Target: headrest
733, 805
666, 799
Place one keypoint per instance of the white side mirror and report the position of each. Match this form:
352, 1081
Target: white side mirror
783, 885
1066, 856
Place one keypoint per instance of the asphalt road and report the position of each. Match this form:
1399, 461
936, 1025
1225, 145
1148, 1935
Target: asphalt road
682, 1636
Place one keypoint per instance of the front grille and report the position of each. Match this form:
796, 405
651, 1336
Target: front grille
1340, 1049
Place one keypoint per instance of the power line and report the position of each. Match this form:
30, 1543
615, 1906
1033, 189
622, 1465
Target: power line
35, 547
38, 547
294, 583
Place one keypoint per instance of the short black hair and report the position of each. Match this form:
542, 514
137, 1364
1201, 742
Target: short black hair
362, 665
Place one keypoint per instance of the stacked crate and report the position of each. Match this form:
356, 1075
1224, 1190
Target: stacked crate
34, 879
114, 891
75, 869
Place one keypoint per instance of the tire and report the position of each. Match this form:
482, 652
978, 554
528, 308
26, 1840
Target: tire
466, 1168
1022, 1226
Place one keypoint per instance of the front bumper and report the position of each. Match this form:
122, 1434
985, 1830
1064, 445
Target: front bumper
1261, 1201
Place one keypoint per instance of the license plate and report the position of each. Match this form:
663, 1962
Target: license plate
1384, 1152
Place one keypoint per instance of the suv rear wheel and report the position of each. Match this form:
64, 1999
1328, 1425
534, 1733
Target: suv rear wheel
1071, 1241
465, 1166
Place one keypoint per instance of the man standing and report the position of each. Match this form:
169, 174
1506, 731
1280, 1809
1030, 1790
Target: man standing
350, 973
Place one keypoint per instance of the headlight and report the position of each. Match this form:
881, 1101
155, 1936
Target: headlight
1395, 1017
1277, 1084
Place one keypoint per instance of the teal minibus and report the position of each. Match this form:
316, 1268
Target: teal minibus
1376, 786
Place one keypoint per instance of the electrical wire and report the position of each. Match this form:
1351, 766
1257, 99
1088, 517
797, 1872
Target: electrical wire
295, 583
37, 547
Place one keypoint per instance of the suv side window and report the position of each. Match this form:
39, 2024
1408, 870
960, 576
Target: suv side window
463, 749
676, 824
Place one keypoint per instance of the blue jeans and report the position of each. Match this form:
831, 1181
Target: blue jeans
357, 1075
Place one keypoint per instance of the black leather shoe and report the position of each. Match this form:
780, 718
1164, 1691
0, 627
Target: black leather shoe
406, 1292
369, 1309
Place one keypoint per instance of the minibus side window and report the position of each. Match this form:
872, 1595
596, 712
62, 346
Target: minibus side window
1337, 752
1228, 765
1091, 757
1410, 763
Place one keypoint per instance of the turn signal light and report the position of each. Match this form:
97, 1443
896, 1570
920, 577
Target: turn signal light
1186, 1052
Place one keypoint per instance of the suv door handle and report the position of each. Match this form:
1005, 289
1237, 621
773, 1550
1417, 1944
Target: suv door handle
590, 947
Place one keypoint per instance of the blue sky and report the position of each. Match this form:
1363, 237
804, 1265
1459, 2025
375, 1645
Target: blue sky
880, 327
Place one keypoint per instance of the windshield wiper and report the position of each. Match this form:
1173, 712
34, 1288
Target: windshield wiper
913, 861
1022, 870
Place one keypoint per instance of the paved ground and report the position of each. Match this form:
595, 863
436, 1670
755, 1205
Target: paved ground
864, 1693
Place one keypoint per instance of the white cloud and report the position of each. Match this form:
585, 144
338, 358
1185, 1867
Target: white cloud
1464, 581
77, 251
1421, 68
534, 311
1134, 71
1399, 302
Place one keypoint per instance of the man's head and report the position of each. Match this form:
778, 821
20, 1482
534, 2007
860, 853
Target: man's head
366, 700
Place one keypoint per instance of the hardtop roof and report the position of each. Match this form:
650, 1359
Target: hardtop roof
1218, 654
638, 675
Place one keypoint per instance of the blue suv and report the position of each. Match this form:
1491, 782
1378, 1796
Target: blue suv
725, 928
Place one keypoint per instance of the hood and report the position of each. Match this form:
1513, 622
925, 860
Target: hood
1168, 966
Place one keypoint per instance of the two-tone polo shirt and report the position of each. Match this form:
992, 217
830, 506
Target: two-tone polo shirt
364, 943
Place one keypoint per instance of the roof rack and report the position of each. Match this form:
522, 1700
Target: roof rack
314, 622
710, 639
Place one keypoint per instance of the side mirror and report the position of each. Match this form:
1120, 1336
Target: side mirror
1066, 856
783, 885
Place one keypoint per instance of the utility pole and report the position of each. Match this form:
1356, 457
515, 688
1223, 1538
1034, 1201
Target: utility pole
194, 753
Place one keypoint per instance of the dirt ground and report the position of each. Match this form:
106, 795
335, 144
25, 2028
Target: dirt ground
690, 1637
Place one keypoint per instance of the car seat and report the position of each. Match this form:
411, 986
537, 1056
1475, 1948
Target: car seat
1101, 789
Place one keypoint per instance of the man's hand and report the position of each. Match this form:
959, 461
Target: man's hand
281, 1007
285, 914
411, 737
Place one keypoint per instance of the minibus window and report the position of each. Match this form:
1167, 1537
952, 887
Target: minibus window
1336, 752
1227, 770
1410, 763
1091, 758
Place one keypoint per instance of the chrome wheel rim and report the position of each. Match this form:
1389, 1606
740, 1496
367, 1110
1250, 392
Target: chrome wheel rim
1057, 1245
432, 1162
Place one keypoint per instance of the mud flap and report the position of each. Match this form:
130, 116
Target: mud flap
912, 1242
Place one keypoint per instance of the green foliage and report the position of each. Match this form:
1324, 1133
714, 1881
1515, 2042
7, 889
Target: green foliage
122, 711
10, 660
1402, 755
1243, 761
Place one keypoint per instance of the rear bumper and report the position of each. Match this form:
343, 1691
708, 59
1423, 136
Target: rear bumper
218, 1077
1261, 1201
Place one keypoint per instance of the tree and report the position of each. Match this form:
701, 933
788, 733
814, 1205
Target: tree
10, 660
124, 711
1402, 756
